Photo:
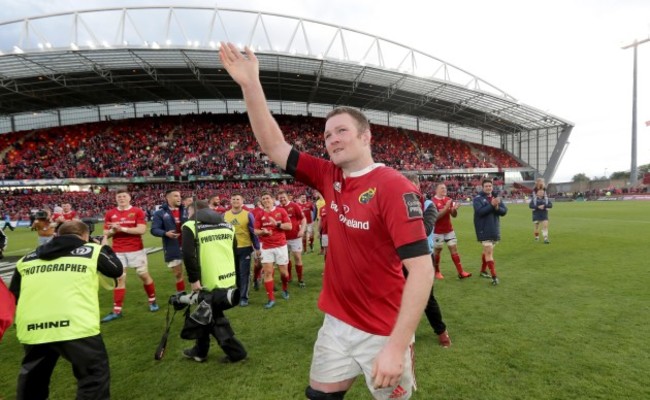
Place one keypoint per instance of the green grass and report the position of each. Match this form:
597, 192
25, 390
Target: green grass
569, 321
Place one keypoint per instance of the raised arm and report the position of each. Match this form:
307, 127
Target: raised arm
245, 71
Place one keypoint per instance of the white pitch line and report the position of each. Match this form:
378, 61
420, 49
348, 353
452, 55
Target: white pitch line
16, 251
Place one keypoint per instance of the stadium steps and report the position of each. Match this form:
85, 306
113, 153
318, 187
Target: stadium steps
478, 153
6, 150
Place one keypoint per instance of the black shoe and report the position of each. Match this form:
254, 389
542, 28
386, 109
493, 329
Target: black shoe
191, 354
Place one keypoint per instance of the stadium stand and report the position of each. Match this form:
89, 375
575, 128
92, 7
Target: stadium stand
207, 146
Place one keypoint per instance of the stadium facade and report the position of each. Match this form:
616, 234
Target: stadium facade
115, 63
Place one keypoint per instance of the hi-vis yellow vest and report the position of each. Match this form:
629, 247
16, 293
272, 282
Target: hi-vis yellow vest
216, 255
58, 298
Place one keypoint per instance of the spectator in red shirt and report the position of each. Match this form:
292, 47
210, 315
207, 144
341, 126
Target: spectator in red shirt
375, 224
126, 224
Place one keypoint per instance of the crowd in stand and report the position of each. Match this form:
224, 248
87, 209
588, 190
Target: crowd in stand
20, 203
210, 145
204, 145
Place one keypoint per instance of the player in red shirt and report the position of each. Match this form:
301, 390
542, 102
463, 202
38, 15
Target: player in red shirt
324, 239
126, 224
215, 204
257, 212
375, 224
309, 209
295, 235
270, 228
66, 214
444, 231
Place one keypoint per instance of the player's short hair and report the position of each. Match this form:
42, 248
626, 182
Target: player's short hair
362, 121
120, 191
73, 228
413, 177
282, 192
199, 205
167, 192
486, 180
214, 203
266, 193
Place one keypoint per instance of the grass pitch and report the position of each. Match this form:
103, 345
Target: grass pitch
568, 321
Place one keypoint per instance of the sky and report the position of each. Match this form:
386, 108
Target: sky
560, 56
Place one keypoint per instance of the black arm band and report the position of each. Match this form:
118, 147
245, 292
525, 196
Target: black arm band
415, 249
292, 162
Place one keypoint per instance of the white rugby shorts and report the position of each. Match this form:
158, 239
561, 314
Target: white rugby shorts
342, 352
324, 240
441, 238
278, 255
295, 245
135, 259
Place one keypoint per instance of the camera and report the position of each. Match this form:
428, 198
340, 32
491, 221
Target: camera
41, 214
97, 239
222, 299
180, 300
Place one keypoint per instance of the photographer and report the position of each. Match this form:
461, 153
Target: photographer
209, 254
58, 312
43, 227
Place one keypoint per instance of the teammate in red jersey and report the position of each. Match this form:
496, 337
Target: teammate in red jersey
215, 204
369, 205
295, 235
270, 228
257, 211
324, 239
66, 214
444, 231
309, 210
126, 224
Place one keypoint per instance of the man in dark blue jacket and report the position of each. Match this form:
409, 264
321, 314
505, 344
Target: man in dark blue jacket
540, 203
167, 222
488, 208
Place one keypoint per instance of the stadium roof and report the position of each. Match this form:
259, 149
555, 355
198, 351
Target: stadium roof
161, 54
109, 56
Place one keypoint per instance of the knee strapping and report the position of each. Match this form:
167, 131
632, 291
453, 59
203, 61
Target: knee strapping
313, 394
